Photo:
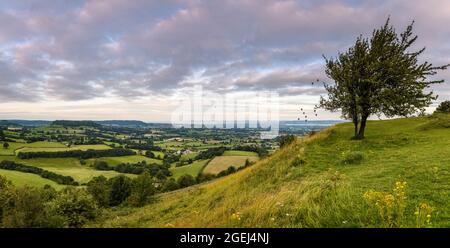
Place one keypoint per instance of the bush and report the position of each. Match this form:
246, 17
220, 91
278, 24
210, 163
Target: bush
169, 185
353, 157
27, 208
120, 190
444, 107
186, 181
286, 140
226, 172
102, 165
75, 206
99, 188
142, 190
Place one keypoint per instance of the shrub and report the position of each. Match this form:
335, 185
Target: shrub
102, 165
353, 157
142, 190
75, 206
120, 190
186, 181
286, 140
5, 189
26, 208
169, 185
226, 172
99, 188
444, 107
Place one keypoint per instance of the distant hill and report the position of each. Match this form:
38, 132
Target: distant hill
133, 123
32, 123
116, 123
67, 123
325, 180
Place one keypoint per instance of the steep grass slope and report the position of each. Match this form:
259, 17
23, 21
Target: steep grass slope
320, 181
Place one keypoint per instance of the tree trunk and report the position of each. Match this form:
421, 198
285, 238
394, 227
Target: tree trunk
362, 127
355, 123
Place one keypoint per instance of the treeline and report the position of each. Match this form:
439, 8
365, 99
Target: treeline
116, 152
261, 151
66, 180
210, 153
144, 146
66, 123
155, 170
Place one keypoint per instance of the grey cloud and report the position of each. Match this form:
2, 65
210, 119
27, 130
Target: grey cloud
85, 49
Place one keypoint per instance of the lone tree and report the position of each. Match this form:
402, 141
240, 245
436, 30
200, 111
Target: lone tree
379, 76
5, 145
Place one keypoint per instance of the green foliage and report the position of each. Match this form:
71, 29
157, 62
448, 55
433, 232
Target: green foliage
286, 140
101, 165
169, 185
90, 153
211, 153
186, 181
142, 190
379, 76
5, 145
444, 107
26, 207
74, 206
121, 187
99, 188
5, 187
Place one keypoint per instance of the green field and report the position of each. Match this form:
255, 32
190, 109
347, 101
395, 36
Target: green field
13, 146
65, 166
160, 154
22, 179
64, 148
239, 153
222, 163
132, 159
185, 157
311, 183
192, 169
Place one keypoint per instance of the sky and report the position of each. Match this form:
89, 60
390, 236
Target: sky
128, 59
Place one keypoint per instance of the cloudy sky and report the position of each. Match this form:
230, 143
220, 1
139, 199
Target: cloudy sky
126, 59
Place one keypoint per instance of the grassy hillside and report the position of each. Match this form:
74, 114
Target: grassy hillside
326, 180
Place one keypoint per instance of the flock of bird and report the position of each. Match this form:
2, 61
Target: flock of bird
303, 112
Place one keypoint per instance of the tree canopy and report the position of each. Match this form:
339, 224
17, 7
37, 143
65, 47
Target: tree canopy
379, 76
